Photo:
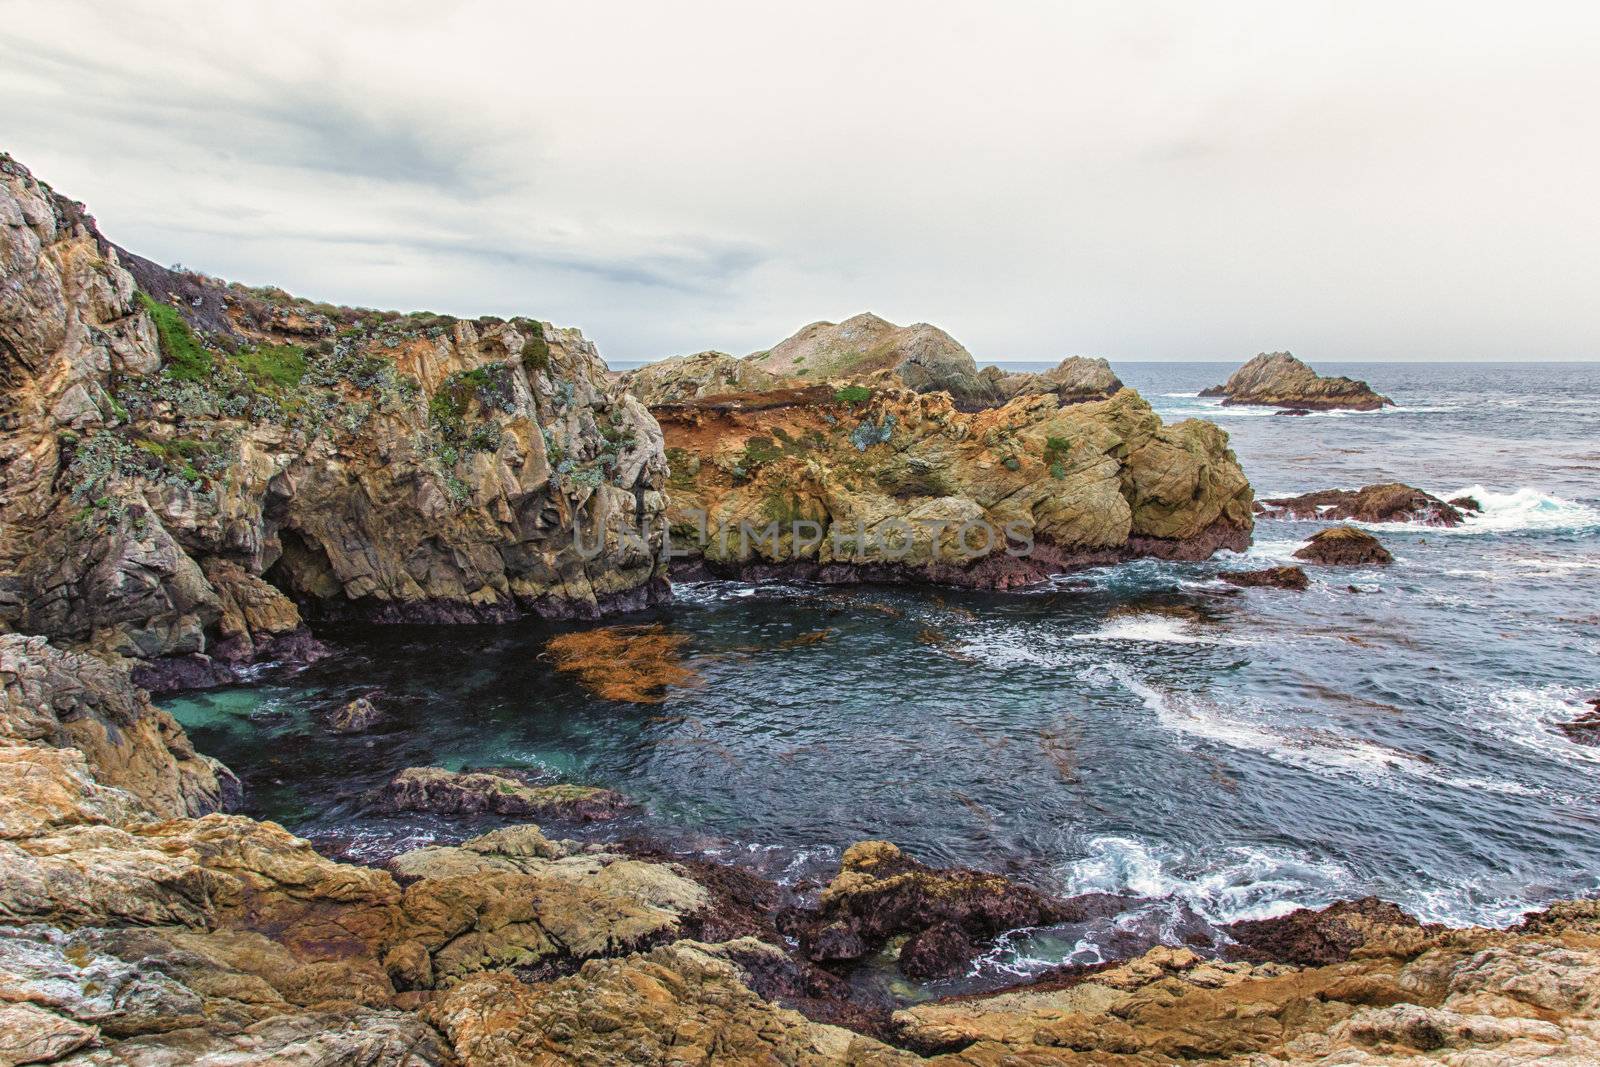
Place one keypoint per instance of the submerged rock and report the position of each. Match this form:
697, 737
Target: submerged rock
355, 716
1277, 379
628, 663
442, 792
1271, 577
1344, 546
1388, 502
190, 470
1585, 729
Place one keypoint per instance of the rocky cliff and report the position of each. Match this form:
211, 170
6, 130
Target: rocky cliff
878, 482
1277, 379
137, 930
190, 469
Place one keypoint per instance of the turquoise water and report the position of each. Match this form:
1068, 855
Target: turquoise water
1143, 728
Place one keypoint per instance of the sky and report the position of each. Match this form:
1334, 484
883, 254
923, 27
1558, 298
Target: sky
1350, 181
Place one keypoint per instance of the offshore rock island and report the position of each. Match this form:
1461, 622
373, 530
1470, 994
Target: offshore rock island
200, 481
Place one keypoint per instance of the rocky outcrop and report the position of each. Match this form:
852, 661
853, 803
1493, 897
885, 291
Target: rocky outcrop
1277, 379
1388, 502
442, 792
885, 484
1268, 577
1344, 546
880, 892
1074, 380
191, 481
869, 350
1585, 728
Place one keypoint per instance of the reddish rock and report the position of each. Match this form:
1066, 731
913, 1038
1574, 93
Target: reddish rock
1312, 938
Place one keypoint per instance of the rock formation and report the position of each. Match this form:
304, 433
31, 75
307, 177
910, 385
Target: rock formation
1277, 379
1388, 502
860, 483
189, 469
920, 357
1344, 546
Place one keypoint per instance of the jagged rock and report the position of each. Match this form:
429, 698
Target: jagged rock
684, 378
1343, 546
442, 792
880, 892
182, 483
682, 1003
1467, 503
1074, 380
355, 716
1269, 577
940, 951
1389, 502
888, 485
1277, 379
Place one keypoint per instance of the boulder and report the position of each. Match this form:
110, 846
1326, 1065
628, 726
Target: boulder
1388, 502
1074, 380
1344, 546
1277, 379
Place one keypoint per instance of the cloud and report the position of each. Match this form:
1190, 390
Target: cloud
1146, 180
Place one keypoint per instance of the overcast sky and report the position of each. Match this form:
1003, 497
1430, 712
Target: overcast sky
1350, 181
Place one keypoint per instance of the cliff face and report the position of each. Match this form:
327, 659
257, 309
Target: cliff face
882, 483
191, 479
1277, 379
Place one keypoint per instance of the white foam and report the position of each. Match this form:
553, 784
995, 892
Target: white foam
1529, 716
1525, 509
1159, 629
1240, 882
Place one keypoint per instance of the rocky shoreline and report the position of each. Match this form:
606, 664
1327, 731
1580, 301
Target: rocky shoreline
138, 925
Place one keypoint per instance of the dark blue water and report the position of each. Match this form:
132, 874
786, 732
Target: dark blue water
1144, 727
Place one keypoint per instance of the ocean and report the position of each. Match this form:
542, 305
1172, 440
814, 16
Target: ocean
1143, 728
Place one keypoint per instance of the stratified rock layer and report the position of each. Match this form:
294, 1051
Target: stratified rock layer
187, 481
1277, 379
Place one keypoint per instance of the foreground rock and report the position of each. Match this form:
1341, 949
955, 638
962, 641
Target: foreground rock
442, 792
1277, 379
1344, 546
1270, 577
1388, 502
883, 484
133, 933
189, 469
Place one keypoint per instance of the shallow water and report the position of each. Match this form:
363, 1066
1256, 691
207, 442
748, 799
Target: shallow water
1143, 728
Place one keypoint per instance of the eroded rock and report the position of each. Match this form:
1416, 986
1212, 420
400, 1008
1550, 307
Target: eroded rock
1389, 502
1268, 577
442, 792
